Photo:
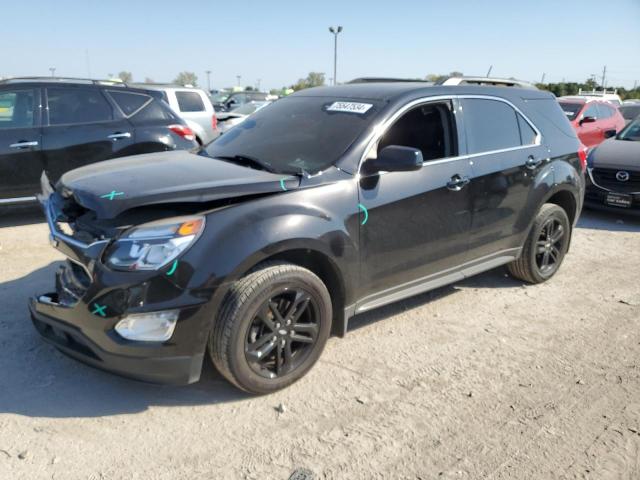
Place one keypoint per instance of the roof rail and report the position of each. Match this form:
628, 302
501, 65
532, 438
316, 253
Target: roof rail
486, 81
90, 81
385, 80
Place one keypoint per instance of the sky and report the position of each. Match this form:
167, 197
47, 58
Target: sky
277, 42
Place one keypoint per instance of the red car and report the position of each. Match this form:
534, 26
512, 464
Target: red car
593, 120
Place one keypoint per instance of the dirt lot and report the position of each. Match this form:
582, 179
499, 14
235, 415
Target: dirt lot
483, 379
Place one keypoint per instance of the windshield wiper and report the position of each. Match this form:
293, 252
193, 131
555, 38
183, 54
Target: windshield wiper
247, 161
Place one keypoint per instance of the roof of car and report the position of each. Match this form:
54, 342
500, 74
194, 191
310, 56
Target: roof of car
387, 91
64, 80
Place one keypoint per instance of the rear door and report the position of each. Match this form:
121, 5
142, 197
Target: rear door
506, 155
196, 109
21, 162
82, 127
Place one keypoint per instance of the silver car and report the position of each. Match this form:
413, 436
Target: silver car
227, 120
193, 105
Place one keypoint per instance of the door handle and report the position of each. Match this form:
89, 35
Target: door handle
532, 163
23, 144
117, 135
457, 183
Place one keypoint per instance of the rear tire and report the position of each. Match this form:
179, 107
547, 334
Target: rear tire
272, 328
545, 247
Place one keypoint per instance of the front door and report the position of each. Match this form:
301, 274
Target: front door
82, 128
590, 132
414, 225
21, 161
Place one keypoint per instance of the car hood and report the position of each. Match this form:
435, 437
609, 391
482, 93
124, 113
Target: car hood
614, 153
114, 186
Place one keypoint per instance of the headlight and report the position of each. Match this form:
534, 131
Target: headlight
153, 245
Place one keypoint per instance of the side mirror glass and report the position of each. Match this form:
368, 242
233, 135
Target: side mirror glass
587, 120
609, 133
394, 158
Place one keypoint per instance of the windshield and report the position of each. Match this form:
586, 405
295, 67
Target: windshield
297, 133
631, 132
630, 112
220, 97
571, 110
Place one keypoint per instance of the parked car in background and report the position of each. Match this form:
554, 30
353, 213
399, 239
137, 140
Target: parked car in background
486, 81
57, 124
227, 120
227, 101
629, 111
593, 120
193, 105
610, 96
339, 200
613, 181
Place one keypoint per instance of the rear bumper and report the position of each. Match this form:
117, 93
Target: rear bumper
148, 364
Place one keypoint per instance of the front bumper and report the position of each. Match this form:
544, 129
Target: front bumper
596, 195
69, 318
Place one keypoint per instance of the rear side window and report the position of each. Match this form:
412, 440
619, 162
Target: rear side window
190, 102
527, 133
605, 112
571, 110
490, 125
16, 109
129, 102
591, 111
77, 105
154, 112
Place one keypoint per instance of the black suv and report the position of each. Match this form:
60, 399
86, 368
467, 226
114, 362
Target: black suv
60, 124
330, 202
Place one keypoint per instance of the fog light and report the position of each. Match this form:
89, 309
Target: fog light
148, 327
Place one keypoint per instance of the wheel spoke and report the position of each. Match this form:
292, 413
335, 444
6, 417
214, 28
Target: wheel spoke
310, 328
540, 246
262, 347
545, 259
555, 254
263, 315
298, 306
279, 358
273, 306
558, 234
301, 338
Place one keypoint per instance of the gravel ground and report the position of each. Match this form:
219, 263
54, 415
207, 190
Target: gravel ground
486, 378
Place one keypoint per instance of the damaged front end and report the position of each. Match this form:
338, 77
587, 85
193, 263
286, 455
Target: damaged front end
142, 323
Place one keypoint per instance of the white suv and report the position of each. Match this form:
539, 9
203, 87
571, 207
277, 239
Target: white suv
193, 105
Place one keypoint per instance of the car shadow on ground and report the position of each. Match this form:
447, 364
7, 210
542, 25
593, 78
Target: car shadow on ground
17, 216
611, 221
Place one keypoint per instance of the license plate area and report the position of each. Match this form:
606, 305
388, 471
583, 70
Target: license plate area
618, 200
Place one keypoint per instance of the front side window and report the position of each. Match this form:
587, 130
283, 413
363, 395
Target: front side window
428, 128
605, 112
77, 105
298, 133
490, 125
591, 111
17, 109
190, 102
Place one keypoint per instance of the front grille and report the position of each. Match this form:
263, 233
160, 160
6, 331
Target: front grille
72, 282
606, 178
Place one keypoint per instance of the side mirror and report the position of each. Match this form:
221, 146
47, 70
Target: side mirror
587, 120
394, 158
609, 133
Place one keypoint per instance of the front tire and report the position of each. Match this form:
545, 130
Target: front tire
545, 247
272, 328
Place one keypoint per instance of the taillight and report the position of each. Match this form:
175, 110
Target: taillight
184, 131
582, 154
214, 122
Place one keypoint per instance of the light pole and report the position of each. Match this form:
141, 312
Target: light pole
208, 72
258, 84
335, 32
239, 77
53, 71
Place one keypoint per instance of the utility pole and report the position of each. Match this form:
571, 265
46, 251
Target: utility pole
635, 84
542, 79
53, 71
604, 76
239, 77
208, 72
489, 72
335, 32
258, 84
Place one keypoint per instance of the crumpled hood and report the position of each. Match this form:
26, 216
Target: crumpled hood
111, 187
613, 153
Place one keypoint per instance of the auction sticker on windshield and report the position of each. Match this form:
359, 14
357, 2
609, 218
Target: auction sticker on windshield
349, 107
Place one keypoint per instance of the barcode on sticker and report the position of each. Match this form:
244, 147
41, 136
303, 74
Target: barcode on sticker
349, 107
